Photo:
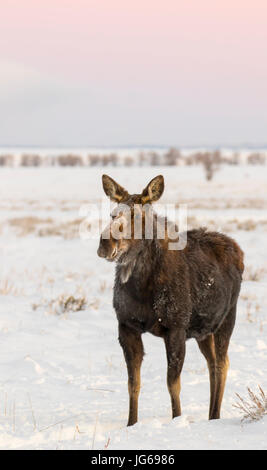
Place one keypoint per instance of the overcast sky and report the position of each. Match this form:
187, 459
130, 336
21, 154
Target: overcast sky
118, 72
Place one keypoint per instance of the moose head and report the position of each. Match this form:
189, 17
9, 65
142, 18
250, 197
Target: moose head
130, 219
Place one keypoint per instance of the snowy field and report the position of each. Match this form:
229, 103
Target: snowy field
63, 380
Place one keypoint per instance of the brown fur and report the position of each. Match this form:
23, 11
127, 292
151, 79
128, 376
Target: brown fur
176, 295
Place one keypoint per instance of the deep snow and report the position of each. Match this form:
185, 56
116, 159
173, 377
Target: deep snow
63, 380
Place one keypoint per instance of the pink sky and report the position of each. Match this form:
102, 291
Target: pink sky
199, 65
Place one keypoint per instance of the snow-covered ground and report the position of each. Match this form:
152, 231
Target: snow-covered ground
63, 380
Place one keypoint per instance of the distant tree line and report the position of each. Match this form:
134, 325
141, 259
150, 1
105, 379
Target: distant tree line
211, 160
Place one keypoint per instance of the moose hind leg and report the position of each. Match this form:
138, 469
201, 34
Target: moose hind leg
221, 342
175, 349
133, 350
207, 348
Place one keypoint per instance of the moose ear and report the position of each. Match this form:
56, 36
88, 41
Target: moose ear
153, 190
113, 189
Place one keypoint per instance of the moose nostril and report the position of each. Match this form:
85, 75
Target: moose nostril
100, 252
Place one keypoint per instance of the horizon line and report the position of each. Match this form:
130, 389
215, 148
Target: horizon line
243, 145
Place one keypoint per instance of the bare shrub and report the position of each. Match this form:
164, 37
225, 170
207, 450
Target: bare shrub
6, 160
8, 288
113, 158
69, 303
253, 274
196, 158
256, 158
234, 159
154, 159
67, 230
128, 161
27, 225
210, 162
189, 160
103, 286
93, 160
247, 225
28, 159
172, 157
2, 160
105, 160
69, 160
63, 304
141, 159
252, 311
216, 157
46, 227
255, 407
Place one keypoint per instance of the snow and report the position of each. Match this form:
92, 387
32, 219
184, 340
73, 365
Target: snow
63, 380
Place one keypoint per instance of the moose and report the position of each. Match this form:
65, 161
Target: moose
173, 294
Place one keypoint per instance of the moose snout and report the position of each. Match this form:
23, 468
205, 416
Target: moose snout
103, 248
101, 252
107, 249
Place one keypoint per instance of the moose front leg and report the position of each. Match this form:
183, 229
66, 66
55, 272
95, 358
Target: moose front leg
133, 350
175, 349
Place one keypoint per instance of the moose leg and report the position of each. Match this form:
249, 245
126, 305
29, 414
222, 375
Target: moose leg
175, 349
208, 350
133, 350
221, 341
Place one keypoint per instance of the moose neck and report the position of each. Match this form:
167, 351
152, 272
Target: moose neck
139, 262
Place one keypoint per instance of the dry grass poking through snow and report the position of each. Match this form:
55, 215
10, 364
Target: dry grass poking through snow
45, 227
253, 274
8, 288
66, 303
27, 225
226, 225
255, 407
63, 304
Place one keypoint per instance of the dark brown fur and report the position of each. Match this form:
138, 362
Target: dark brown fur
176, 295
